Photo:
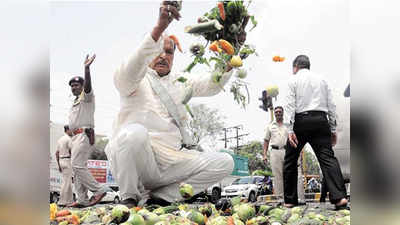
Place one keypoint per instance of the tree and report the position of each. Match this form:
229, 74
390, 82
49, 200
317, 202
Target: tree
312, 165
206, 122
254, 152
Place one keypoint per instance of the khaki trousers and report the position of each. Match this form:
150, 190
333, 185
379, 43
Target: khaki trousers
83, 179
66, 185
277, 159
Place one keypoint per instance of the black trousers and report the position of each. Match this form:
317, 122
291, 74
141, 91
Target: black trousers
324, 190
313, 129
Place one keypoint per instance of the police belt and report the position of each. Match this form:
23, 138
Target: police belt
276, 147
89, 133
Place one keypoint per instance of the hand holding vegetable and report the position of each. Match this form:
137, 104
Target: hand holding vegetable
167, 12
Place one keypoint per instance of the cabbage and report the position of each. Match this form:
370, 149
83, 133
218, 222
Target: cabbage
246, 212
150, 218
186, 190
196, 217
263, 208
120, 213
162, 223
293, 218
136, 219
296, 210
219, 220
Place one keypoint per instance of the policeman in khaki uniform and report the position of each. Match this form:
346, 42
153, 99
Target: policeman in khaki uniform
276, 136
81, 122
63, 157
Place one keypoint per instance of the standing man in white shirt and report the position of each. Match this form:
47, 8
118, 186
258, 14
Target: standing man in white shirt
63, 158
312, 114
276, 136
148, 148
81, 122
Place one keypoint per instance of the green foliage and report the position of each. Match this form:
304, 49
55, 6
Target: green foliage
253, 151
312, 166
98, 153
237, 91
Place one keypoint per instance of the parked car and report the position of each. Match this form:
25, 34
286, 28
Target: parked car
214, 192
245, 187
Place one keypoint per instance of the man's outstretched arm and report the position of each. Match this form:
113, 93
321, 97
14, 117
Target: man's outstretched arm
131, 72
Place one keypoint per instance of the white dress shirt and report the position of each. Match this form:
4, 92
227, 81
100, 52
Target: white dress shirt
140, 104
309, 91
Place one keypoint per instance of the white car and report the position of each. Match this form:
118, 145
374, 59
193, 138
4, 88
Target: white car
245, 187
214, 192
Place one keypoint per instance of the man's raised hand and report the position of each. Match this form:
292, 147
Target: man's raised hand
167, 13
88, 61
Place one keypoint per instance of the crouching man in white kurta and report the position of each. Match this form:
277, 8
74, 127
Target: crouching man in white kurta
145, 150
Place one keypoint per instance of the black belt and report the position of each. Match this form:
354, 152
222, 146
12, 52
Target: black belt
188, 146
65, 157
277, 147
311, 113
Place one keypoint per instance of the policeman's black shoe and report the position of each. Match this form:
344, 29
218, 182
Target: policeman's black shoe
129, 202
157, 201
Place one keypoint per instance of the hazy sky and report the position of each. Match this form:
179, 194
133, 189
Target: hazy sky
113, 30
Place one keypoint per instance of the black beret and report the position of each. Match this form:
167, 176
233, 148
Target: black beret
76, 79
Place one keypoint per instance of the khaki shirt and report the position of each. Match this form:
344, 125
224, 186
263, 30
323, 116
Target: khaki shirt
81, 113
64, 146
276, 134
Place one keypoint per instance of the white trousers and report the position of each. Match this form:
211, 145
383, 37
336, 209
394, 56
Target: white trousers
135, 168
66, 185
277, 158
83, 179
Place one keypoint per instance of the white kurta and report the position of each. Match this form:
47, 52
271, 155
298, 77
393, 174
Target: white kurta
139, 103
143, 112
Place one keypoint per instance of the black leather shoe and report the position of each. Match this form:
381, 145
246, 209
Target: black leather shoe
129, 202
157, 201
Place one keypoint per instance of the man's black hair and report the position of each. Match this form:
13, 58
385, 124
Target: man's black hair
302, 62
66, 128
278, 107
